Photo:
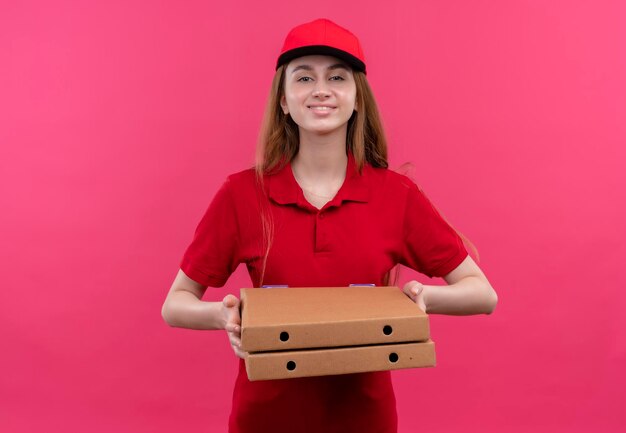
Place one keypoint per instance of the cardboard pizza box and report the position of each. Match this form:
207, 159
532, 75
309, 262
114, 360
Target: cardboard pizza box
315, 317
344, 360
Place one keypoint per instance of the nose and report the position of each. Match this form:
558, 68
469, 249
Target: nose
321, 91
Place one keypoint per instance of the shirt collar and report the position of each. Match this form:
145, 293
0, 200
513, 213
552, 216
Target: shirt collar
284, 189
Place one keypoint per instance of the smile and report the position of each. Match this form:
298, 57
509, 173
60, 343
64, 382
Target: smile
320, 108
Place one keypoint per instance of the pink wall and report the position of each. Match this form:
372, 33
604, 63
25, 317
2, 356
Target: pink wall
119, 121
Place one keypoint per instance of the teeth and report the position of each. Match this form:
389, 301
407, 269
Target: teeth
321, 108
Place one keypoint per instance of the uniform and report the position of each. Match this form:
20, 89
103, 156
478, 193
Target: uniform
377, 219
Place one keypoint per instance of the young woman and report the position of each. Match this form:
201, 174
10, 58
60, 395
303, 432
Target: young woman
320, 209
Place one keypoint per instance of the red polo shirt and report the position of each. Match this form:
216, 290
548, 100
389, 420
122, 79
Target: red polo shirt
377, 219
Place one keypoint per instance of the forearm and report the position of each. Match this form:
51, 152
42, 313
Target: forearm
470, 295
183, 309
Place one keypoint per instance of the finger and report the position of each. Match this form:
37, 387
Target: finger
235, 342
240, 353
234, 334
234, 338
233, 327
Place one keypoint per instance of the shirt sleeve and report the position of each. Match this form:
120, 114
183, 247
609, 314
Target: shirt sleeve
430, 246
213, 253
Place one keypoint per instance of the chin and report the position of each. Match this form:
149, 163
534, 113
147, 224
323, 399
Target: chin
324, 129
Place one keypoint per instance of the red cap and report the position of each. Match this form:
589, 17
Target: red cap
324, 37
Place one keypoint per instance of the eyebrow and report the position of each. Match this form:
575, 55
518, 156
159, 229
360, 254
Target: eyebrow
330, 68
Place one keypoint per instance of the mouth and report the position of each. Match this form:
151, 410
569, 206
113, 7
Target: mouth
321, 108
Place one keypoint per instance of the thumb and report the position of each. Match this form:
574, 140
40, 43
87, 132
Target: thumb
412, 289
230, 301
231, 304
409, 286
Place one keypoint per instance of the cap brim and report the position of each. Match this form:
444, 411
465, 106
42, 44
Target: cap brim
309, 50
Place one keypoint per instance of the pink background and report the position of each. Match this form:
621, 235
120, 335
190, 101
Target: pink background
119, 120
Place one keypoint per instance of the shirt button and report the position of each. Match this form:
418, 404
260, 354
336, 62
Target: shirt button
322, 216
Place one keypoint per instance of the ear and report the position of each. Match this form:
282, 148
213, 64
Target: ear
283, 105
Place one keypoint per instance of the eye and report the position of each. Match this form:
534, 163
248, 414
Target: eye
304, 79
337, 78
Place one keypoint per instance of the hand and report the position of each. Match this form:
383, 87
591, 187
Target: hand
232, 324
415, 291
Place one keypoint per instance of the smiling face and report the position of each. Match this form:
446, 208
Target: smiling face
320, 94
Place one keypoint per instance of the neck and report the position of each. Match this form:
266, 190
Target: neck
321, 157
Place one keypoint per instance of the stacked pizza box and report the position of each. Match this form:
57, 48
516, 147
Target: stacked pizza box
318, 331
